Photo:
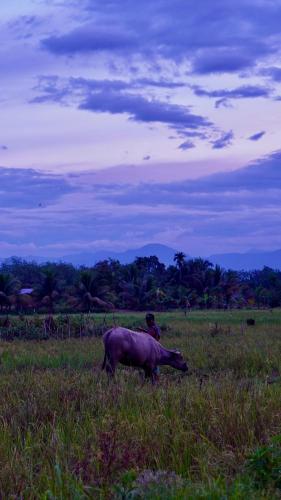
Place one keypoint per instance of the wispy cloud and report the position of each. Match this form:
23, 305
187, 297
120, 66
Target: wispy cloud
223, 141
223, 96
118, 97
257, 136
186, 145
141, 109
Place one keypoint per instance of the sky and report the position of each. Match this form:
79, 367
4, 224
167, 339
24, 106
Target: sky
125, 123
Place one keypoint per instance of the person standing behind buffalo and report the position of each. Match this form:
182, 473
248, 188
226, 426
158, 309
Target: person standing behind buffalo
154, 331
152, 328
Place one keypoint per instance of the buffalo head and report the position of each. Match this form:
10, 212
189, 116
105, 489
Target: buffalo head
177, 361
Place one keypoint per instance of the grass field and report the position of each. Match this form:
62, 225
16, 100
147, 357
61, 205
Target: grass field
67, 432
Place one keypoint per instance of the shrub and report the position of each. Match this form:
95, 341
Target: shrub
264, 465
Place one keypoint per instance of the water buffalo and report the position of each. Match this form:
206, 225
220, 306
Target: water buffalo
139, 350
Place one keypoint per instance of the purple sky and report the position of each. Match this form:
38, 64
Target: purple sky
125, 123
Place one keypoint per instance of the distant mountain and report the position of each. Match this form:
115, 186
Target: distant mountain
237, 261
248, 261
164, 253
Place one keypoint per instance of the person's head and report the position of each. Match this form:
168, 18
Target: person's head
150, 320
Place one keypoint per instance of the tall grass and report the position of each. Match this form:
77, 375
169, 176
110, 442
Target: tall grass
68, 432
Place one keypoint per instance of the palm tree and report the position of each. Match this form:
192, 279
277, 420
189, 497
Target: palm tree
199, 274
48, 291
179, 259
230, 286
8, 287
87, 294
216, 286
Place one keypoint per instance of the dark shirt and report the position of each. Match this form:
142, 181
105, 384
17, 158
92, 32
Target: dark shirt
154, 331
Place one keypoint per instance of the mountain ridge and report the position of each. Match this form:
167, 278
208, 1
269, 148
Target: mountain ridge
237, 261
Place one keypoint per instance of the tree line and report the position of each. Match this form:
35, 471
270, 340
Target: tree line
143, 284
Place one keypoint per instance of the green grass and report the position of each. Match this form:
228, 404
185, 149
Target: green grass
67, 432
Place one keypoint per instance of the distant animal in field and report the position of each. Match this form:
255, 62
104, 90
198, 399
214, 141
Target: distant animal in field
251, 322
139, 350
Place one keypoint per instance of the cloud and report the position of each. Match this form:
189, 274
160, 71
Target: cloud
257, 136
223, 102
224, 141
114, 97
55, 89
152, 49
28, 188
141, 109
161, 83
186, 145
190, 134
221, 212
243, 92
257, 183
273, 72
212, 37
3, 147
90, 38
239, 209
24, 27
221, 61
52, 88
224, 95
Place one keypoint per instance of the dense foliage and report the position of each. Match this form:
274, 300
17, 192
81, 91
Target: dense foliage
144, 284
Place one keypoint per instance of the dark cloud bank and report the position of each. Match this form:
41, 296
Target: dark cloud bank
254, 186
241, 206
232, 37
28, 188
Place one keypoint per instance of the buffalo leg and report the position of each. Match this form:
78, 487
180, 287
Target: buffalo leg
104, 362
110, 367
149, 373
